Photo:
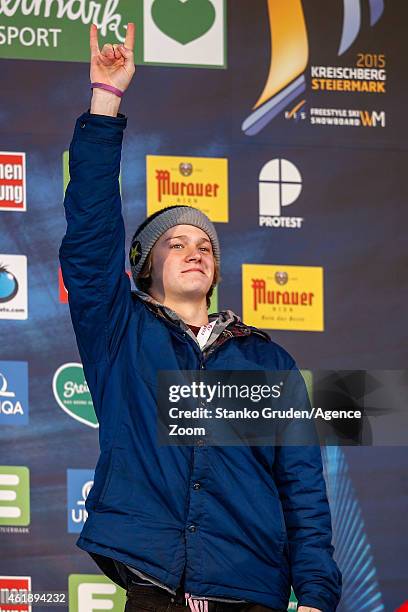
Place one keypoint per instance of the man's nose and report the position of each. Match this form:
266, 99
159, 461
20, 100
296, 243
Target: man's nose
193, 253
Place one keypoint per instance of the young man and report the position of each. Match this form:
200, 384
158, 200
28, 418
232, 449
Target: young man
218, 528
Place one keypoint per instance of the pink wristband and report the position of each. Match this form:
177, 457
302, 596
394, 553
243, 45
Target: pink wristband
114, 90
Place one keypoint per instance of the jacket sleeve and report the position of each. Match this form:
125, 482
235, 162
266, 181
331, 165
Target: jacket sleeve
92, 251
298, 471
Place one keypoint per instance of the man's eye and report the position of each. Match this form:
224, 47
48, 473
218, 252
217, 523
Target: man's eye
206, 249
176, 244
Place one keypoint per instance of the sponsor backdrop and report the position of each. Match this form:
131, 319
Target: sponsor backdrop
284, 122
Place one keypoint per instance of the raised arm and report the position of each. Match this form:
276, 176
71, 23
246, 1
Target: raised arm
92, 252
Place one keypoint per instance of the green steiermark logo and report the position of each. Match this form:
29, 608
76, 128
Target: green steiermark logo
59, 31
14, 495
93, 592
183, 20
72, 393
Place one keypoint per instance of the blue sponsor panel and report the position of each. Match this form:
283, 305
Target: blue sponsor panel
79, 483
13, 393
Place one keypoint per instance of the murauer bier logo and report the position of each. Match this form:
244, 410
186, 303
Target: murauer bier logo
283, 297
201, 182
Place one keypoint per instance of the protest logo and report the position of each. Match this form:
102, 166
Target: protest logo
280, 185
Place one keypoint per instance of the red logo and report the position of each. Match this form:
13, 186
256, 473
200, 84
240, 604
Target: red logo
12, 181
63, 293
11, 588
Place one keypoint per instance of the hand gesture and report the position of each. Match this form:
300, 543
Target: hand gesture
115, 64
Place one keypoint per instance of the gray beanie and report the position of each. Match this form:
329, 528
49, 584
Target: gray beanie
158, 223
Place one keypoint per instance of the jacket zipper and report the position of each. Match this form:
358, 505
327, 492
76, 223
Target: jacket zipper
203, 355
202, 359
183, 334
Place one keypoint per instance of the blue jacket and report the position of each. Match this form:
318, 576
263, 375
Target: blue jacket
259, 521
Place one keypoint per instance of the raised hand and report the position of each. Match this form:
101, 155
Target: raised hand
115, 64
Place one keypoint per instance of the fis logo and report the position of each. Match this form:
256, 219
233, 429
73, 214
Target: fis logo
298, 112
13, 393
79, 483
14, 495
93, 592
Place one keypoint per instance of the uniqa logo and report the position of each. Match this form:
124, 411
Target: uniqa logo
79, 514
8, 406
72, 393
102, 14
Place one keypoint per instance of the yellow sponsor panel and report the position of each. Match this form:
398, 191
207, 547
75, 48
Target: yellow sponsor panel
283, 297
194, 181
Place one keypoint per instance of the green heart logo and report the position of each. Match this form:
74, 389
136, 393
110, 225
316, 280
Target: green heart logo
183, 21
72, 393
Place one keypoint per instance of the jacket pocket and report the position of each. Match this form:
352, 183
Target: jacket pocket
108, 478
282, 518
281, 525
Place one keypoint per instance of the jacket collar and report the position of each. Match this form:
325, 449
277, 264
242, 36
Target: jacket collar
224, 319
